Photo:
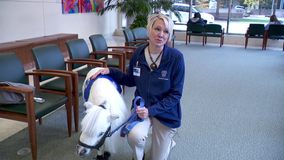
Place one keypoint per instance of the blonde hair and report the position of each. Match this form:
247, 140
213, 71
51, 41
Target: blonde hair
167, 20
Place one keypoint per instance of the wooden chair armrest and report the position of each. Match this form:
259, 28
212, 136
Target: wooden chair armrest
137, 39
86, 60
91, 62
113, 53
29, 97
68, 79
130, 42
73, 83
72, 73
121, 55
16, 89
123, 47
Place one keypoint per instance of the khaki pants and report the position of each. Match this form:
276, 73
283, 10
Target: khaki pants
161, 139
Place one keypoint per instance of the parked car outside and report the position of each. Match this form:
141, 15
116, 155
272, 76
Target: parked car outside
239, 7
184, 11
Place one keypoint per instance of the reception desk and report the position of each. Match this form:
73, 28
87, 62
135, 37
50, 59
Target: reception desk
22, 48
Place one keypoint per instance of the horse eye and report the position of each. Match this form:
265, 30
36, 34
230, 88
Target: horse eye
102, 133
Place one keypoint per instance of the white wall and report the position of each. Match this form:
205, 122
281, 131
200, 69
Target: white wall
22, 19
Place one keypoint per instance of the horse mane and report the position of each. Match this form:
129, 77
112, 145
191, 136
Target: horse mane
90, 123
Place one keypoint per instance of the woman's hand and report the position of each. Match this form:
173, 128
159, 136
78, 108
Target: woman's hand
102, 72
142, 112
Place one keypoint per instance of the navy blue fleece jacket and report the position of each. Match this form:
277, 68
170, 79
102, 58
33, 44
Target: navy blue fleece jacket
162, 88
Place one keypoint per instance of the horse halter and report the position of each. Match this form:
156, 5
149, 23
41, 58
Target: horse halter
99, 144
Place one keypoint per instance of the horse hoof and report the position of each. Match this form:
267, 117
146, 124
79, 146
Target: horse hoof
99, 158
106, 155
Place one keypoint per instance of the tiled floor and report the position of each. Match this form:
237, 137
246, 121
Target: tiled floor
10, 127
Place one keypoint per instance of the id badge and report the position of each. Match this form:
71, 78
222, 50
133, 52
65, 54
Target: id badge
136, 71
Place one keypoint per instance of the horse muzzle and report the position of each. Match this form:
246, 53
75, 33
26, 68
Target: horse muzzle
83, 152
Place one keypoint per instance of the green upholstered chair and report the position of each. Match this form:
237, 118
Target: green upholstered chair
213, 30
49, 58
12, 70
130, 40
140, 34
275, 31
255, 31
79, 52
194, 30
114, 55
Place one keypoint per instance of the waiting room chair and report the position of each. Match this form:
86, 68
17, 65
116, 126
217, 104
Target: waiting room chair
214, 30
12, 70
140, 34
49, 58
275, 32
114, 55
79, 51
130, 40
255, 31
194, 30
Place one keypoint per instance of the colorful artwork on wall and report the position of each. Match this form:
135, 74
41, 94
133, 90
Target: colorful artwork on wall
70, 6
81, 6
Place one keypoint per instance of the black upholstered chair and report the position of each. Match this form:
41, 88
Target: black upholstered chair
12, 70
79, 51
49, 58
255, 31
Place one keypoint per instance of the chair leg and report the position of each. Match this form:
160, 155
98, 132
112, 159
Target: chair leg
31, 120
246, 42
33, 139
75, 101
189, 39
76, 111
40, 120
265, 43
186, 39
68, 107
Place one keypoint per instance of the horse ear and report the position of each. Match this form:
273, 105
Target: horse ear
88, 105
113, 117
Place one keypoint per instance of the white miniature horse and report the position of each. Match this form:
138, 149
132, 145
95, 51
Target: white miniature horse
105, 110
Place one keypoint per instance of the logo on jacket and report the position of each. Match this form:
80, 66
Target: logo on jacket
164, 74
